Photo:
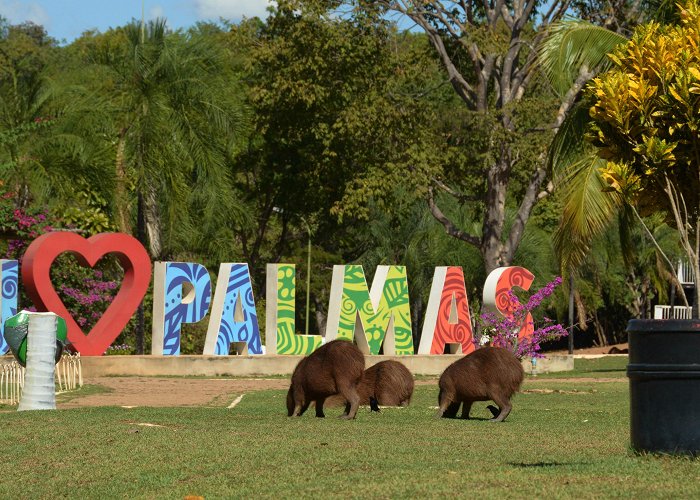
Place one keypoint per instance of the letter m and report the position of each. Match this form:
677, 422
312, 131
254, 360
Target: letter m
373, 317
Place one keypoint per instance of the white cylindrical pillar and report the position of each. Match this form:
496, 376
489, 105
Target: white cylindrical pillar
39, 383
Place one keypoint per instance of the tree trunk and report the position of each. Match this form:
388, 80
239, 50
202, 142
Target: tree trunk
696, 296
141, 236
492, 247
571, 313
120, 198
416, 314
599, 330
152, 221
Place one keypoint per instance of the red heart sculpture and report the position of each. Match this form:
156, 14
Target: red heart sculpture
132, 256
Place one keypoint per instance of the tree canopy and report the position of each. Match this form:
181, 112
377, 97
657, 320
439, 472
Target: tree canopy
330, 122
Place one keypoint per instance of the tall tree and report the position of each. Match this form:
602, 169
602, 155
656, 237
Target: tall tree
24, 92
645, 125
173, 122
486, 50
333, 116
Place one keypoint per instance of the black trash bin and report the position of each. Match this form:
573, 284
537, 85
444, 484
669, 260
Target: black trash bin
664, 375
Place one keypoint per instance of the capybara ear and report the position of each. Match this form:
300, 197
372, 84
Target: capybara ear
290, 403
374, 404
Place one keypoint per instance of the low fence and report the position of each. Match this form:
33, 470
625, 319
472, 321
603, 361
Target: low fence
69, 376
675, 312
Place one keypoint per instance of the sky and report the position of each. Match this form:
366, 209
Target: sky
65, 20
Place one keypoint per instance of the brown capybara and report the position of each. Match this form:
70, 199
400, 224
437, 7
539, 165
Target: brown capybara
388, 383
333, 368
489, 373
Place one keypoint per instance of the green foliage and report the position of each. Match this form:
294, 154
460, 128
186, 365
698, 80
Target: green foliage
573, 44
174, 122
23, 96
332, 105
233, 135
88, 212
645, 115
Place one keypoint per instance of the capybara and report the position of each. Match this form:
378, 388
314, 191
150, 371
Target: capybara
388, 383
333, 368
489, 373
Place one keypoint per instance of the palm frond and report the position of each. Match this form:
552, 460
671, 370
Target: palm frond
568, 144
571, 45
587, 211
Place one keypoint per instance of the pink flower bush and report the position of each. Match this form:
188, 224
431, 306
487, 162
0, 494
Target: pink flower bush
27, 226
86, 292
500, 331
90, 301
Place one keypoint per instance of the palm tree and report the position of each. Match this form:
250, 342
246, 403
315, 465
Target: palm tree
24, 96
572, 53
575, 51
174, 122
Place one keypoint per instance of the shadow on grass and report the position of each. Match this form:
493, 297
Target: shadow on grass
480, 419
538, 465
609, 370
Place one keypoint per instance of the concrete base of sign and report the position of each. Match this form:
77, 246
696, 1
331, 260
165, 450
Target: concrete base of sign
246, 366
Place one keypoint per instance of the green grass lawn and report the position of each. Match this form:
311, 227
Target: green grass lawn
569, 443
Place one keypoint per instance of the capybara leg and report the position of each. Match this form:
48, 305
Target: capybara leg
303, 409
373, 404
319, 408
494, 411
444, 401
505, 407
445, 405
466, 408
452, 410
353, 401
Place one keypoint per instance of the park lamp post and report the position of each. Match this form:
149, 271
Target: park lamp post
308, 272
308, 265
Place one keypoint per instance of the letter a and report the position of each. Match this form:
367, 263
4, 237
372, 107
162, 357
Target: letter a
447, 318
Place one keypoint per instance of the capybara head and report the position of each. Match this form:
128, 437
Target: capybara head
487, 374
387, 383
333, 368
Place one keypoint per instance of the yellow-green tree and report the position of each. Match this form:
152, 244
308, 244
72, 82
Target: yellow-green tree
646, 124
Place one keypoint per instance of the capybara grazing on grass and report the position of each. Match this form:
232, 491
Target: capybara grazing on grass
333, 368
388, 383
489, 373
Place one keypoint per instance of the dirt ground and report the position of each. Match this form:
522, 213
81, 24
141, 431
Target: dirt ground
154, 391
131, 392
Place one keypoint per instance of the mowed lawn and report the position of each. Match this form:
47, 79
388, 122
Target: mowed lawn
564, 439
